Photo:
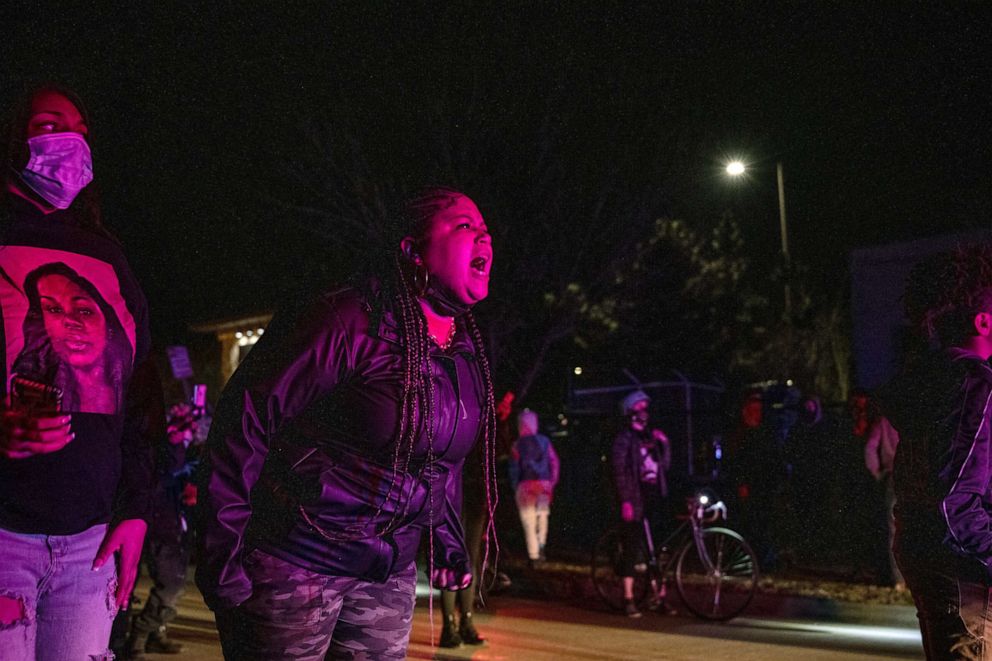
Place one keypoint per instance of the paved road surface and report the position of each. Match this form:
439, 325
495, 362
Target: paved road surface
537, 630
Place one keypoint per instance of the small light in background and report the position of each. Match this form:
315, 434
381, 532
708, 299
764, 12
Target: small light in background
735, 168
578, 371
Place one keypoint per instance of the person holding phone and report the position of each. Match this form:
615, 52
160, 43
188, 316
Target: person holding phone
75, 466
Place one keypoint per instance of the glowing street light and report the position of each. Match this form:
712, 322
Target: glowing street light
737, 169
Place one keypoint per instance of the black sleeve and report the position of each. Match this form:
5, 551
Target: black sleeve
290, 367
144, 426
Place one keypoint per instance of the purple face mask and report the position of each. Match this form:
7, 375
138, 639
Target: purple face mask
59, 167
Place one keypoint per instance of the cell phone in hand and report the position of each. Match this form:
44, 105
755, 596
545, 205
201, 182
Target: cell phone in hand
35, 398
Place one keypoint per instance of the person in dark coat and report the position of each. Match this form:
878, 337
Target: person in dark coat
941, 406
339, 444
640, 459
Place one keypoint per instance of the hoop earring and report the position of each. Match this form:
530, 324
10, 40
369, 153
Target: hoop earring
421, 279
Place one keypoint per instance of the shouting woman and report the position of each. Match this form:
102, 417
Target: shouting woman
340, 442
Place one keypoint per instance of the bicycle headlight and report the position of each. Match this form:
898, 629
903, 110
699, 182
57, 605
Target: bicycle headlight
705, 497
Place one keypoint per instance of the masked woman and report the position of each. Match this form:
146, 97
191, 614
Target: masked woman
339, 443
74, 471
640, 459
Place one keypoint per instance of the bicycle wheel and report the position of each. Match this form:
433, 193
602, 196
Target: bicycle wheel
723, 587
607, 556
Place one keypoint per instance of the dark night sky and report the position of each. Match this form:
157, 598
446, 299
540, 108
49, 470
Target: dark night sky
879, 115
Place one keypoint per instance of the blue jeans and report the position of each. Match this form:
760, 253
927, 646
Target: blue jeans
67, 609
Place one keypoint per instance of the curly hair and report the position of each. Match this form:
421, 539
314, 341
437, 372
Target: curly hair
946, 291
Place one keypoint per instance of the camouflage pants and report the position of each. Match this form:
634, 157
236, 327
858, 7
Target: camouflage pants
297, 614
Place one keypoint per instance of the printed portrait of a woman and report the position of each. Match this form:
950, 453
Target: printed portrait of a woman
73, 340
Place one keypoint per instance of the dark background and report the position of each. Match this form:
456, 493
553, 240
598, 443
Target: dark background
879, 115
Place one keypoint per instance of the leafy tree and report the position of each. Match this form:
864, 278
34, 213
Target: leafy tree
726, 311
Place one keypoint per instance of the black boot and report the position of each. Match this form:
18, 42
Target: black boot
449, 634
136, 644
468, 633
160, 643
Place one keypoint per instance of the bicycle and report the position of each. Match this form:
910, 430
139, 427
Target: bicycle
715, 569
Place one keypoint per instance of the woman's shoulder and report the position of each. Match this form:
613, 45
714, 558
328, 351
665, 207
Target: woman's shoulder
347, 300
347, 308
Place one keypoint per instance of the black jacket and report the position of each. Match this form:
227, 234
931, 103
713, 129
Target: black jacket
300, 455
943, 467
626, 464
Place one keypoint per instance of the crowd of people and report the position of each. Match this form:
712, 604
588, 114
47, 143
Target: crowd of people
363, 427
795, 473
337, 446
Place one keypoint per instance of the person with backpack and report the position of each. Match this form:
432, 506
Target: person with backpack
534, 472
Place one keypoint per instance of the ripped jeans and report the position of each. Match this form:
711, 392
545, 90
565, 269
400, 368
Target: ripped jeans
62, 609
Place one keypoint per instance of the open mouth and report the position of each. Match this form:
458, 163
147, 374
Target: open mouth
479, 265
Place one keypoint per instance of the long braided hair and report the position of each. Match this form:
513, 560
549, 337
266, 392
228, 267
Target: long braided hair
418, 396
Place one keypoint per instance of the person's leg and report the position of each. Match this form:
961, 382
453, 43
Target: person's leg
449, 629
466, 627
290, 614
375, 618
890, 502
24, 559
631, 557
167, 558
76, 605
953, 614
474, 515
543, 511
528, 518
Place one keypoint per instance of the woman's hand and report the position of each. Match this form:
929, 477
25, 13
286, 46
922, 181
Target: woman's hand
23, 435
125, 539
446, 579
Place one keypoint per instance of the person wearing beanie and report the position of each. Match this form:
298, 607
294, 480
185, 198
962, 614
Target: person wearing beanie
534, 471
640, 458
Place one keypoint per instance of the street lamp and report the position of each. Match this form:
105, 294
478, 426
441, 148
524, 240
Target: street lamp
737, 169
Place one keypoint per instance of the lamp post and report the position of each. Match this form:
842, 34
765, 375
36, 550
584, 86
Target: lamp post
737, 169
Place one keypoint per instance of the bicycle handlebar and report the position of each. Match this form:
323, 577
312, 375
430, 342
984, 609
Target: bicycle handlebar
708, 513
